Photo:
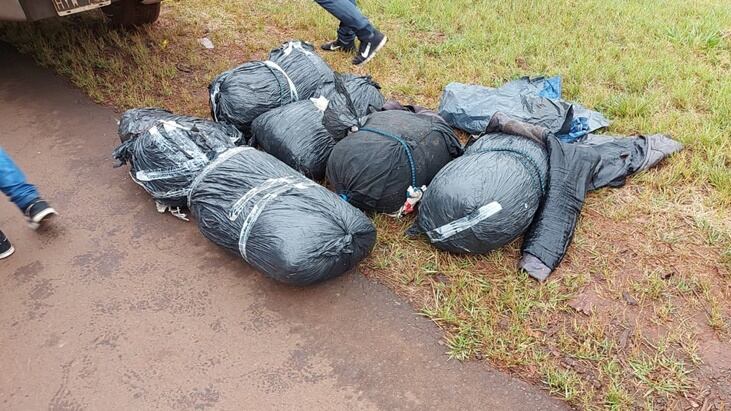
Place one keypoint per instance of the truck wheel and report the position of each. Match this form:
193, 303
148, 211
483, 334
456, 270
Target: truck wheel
131, 13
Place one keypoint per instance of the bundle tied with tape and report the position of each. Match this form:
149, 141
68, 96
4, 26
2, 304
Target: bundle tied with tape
283, 224
295, 133
292, 73
486, 198
166, 158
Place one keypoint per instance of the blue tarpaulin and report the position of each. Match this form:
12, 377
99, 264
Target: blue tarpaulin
535, 101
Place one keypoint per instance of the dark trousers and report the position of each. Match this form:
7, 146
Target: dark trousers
352, 22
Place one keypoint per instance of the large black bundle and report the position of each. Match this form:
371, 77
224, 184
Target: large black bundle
166, 158
138, 120
351, 99
520, 178
295, 134
486, 198
286, 226
293, 72
394, 150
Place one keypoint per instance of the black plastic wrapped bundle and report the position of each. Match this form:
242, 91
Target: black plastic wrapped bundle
167, 157
293, 72
306, 69
518, 178
486, 198
295, 134
138, 120
351, 98
374, 167
283, 224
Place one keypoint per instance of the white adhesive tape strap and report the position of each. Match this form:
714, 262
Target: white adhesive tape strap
457, 226
292, 45
215, 91
292, 89
212, 166
182, 143
171, 172
257, 199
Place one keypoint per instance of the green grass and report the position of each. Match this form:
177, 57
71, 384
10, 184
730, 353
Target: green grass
652, 66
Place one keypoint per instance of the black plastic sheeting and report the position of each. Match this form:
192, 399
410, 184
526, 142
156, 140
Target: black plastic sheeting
293, 72
534, 100
138, 120
373, 167
166, 158
284, 225
351, 99
518, 178
486, 198
295, 133
575, 169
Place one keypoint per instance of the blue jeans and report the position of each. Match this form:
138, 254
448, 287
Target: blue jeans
13, 184
352, 22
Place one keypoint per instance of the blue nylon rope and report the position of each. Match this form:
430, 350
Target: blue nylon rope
523, 159
403, 144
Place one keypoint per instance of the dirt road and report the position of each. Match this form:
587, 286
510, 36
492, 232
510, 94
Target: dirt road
119, 307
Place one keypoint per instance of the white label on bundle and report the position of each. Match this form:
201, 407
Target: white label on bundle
444, 232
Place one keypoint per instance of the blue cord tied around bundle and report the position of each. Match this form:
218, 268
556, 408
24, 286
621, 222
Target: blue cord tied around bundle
530, 165
406, 147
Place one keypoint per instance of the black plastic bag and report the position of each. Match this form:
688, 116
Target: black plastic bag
486, 198
166, 158
392, 153
293, 72
295, 134
518, 178
286, 226
351, 99
138, 120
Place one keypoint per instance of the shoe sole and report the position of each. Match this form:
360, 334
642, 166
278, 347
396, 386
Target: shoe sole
378, 48
340, 49
38, 218
7, 253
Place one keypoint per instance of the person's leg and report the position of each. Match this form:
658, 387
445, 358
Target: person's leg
6, 249
352, 21
344, 42
346, 34
21, 193
14, 184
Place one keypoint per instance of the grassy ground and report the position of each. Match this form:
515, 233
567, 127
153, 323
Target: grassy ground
638, 315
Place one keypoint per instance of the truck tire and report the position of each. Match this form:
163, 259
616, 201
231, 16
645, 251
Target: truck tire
131, 13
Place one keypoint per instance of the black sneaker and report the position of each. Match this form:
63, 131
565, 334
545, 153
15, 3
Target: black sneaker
6, 249
368, 48
38, 212
337, 45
